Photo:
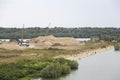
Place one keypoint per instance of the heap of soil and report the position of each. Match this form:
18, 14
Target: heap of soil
52, 41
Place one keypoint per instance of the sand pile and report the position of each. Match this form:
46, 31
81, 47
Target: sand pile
51, 41
43, 40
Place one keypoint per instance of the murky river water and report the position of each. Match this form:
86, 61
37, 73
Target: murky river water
104, 66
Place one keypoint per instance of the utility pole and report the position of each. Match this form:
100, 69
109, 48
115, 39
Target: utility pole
47, 29
22, 33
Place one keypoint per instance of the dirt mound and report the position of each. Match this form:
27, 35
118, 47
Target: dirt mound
43, 40
51, 41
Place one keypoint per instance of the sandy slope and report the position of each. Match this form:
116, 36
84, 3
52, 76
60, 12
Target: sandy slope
84, 54
51, 41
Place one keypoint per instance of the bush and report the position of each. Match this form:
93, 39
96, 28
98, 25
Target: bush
38, 65
73, 64
58, 67
52, 71
117, 47
65, 69
47, 68
103, 46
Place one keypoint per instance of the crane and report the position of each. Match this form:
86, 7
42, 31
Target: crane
46, 33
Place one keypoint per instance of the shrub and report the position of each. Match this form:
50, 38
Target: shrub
103, 46
117, 47
47, 68
52, 71
73, 64
65, 69
37, 65
61, 60
58, 67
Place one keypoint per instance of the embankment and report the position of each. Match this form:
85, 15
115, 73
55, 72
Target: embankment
85, 54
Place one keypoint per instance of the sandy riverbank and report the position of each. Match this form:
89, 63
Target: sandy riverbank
85, 54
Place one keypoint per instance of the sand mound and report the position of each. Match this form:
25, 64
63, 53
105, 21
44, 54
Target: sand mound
45, 42
51, 41
43, 39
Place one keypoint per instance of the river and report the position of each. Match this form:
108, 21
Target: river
104, 66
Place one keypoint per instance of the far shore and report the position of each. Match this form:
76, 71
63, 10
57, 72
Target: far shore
85, 53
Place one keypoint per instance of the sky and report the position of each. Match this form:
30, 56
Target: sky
60, 13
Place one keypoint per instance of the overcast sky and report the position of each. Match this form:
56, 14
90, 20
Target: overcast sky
64, 13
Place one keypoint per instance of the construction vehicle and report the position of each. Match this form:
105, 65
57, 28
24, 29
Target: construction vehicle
22, 42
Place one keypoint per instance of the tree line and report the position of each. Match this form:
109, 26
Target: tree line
87, 32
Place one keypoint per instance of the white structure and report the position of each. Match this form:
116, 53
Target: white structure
25, 40
83, 39
5, 40
8, 40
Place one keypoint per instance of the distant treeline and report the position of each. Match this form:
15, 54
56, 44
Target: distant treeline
104, 33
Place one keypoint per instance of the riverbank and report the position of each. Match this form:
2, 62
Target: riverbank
85, 54
89, 48
25, 58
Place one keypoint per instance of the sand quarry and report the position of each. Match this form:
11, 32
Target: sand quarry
45, 42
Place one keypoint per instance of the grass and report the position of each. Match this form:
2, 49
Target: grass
34, 54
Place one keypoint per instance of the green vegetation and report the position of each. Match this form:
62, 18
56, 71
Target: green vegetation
103, 33
117, 47
52, 71
33, 63
47, 68
103, 46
